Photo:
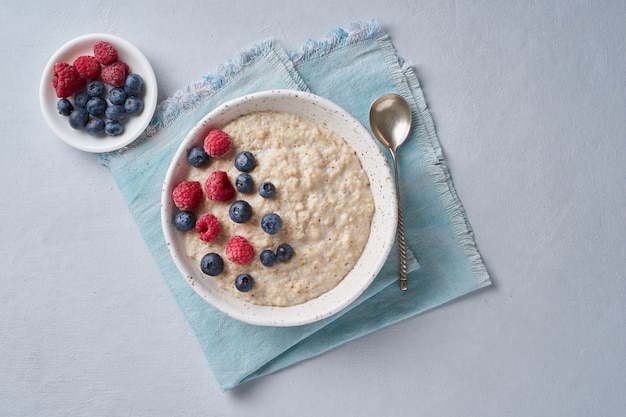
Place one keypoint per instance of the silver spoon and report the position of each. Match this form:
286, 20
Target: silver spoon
390, 119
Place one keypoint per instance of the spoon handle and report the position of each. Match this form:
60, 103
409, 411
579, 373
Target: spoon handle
401, 241
402, 245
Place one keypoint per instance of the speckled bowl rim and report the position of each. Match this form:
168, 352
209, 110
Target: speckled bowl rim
318, 110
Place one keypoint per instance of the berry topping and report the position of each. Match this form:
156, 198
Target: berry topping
64, 107
115, 112
218, 187
79, 118
187, 195
96, 106
267, 190
208, 227
212, 264
87, 66
117, 95
244, 183
284, 252
115, 74
244, 282
184, 221
267, 257
104, 52
240, 211
81, 98
66, 80
217, 143
245, 161
133, 84
95, 88
271, 223
113, 128
133, 105
239, 250
197, 157
95, 126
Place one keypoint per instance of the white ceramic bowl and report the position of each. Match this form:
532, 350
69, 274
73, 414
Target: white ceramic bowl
133, 125
383, 229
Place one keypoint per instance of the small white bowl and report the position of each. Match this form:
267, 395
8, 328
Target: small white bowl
383, 229
133, 125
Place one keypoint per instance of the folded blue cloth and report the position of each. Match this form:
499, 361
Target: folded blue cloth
351, 67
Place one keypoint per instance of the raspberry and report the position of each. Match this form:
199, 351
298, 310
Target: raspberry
218, 187
115, 74
104, 52
217, 143
187, 195
239, 250
208, 227
87, 66
66, 80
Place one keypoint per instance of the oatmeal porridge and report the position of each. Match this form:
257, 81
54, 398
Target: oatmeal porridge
321, 195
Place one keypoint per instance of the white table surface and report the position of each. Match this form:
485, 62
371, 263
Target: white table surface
530, 105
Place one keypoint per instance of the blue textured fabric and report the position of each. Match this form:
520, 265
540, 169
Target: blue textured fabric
351, 67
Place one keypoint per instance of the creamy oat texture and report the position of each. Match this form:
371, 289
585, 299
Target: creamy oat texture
322, 195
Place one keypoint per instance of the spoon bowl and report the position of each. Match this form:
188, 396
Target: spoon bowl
390, 120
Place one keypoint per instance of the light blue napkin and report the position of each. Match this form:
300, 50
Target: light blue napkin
351, 67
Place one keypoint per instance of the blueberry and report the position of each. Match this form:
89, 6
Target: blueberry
113, 128
244, 183
198, 157
240, 211
244, 282
271, 223
267, 190
115, 112
284, 252
133, 105
117, 95
95, 126
96, 106
133, 85
64, 107
245, 161
184, 221
95, 88
267, 257
81, 98
212, 264
79, 118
